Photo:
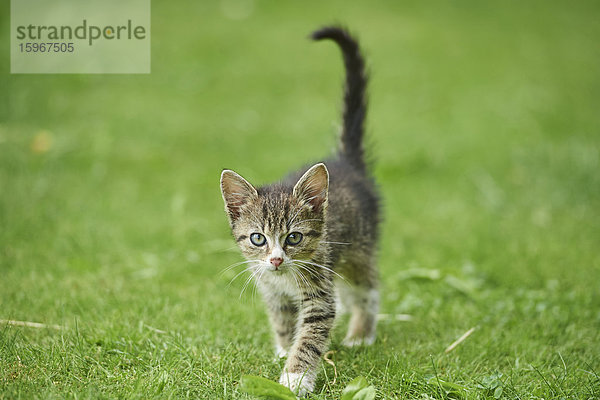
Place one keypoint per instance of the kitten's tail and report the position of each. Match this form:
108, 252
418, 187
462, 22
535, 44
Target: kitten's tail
355, 107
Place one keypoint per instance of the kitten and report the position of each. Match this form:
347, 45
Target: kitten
312, 238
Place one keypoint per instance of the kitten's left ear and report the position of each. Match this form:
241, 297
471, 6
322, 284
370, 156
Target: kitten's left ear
237, 192
313, 187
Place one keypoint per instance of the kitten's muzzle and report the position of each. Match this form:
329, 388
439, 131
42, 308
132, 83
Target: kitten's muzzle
276, 261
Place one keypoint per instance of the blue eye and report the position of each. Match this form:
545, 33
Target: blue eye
293, 238
258, 239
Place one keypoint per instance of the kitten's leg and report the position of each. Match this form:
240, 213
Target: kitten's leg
283, 314
316, 315
364, 304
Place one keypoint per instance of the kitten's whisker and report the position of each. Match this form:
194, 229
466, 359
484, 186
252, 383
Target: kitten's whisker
336, 243
310, 271
225, 249
256, 281
302, 277
245, 283
244, 287
248, 281
309, 286
239, 273
294, 273
322, 266
236, 265
254, 289
232, 266
305, 282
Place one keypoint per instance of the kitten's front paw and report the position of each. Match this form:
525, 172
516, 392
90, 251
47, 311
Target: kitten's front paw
355, 341
281, 352
297, 383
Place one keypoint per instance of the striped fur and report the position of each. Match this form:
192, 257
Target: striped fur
335, 207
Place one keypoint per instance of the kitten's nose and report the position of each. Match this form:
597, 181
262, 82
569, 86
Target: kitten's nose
276, 261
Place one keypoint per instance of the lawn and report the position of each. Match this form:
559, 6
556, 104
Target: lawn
485, 131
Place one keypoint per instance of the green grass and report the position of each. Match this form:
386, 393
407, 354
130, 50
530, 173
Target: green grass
484, 124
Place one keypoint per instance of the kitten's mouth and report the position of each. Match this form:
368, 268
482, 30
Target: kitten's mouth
277, 270
276, 265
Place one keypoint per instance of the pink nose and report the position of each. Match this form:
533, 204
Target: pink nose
276, 261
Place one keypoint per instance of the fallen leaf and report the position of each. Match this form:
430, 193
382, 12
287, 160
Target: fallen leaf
42, 142
262, 387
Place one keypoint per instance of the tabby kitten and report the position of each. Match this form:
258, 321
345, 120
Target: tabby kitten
311, 238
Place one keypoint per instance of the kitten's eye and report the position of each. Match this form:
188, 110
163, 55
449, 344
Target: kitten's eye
293, 238
258, 239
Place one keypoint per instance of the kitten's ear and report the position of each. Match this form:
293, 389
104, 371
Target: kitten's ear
313, 187
236, 193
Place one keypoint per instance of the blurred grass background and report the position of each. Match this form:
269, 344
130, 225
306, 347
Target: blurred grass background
485, 130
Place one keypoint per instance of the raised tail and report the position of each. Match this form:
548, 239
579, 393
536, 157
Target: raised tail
355, 107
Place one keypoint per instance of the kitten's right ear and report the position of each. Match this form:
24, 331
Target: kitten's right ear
313, 187
236, 193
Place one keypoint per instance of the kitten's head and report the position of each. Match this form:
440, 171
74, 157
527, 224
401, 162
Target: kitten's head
275, 226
